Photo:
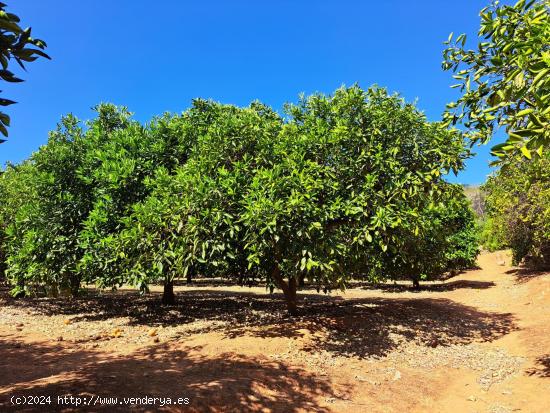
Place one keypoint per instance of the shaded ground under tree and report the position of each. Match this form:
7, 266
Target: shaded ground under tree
360, 327
230, 380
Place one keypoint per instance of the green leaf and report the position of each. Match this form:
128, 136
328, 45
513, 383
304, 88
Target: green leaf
526, 152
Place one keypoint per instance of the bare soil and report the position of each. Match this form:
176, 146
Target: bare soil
477, 342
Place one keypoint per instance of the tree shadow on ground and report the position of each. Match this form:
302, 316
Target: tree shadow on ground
543, 367
377, 326
192, 305
524, 274
21, 362
362, 327
431, 287
226, 382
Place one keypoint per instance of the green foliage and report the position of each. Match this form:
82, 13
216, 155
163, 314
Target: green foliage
461, 234
446, 240
356, 170
190, 222
15, 43
492, 234
42, 234
505, 81
518, 202
16, 193
347, 185
320, 196
76, 190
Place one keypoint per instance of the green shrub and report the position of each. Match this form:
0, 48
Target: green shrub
518, 202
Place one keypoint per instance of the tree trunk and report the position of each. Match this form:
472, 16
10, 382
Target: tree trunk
416, 284
74, 284
302, 282
21, 292
168, 297
290, 295
289, 290
189, 276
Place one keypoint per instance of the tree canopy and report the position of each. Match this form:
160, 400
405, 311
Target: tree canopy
346, 185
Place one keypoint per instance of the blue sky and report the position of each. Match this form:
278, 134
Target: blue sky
156, 56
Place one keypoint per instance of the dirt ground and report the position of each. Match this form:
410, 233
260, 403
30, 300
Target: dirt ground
478, 342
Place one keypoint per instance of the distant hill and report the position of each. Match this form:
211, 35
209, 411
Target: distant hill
474, 194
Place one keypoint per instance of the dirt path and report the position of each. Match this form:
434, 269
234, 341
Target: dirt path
479, 342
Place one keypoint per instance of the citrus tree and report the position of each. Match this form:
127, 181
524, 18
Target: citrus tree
47, 205
121, 155
353, 169
191, 220
320, 196
334, 190
17, 200
444, 240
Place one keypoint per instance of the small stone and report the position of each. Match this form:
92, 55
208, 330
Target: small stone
472, 398
152, 332
116, 332
397, 375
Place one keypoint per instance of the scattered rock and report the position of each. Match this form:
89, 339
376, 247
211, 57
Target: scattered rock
117, 332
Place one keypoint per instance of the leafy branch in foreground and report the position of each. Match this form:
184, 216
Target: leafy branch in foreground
15, 43
505, 82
